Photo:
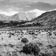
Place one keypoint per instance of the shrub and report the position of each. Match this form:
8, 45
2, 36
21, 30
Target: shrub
45, 54
24, 40
50, 46
49, 33
30, 49
14, 53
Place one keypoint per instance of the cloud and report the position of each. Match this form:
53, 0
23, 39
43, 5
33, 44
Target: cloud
24, 5
8, 14
33, 1
42, 6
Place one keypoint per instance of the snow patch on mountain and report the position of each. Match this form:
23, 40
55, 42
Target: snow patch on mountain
37, 12
21, 15
11, 13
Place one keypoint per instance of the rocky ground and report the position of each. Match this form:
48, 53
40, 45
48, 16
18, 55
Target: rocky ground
12, 43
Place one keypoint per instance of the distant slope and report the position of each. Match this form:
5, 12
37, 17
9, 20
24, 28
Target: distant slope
21, 15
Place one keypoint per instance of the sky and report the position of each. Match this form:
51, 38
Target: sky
26, 5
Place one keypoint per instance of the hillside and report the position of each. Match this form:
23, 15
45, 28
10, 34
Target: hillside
45, 19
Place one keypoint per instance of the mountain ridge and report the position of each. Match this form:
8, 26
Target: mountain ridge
46, 19
22, 15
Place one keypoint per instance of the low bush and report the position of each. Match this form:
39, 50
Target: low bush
30, 49
24, 40
50, 46
14, 53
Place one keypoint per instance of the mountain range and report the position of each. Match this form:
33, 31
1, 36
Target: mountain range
30, 18
21, 16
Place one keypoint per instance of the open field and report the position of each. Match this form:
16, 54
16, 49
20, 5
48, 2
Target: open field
10, 41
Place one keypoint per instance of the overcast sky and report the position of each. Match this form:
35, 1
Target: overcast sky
25, 5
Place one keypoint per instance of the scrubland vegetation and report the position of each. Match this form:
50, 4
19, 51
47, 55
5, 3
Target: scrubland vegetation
28, 43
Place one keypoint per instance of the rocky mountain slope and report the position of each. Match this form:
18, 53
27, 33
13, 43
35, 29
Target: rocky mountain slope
46, 19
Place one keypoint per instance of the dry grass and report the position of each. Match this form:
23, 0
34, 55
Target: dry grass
46, 43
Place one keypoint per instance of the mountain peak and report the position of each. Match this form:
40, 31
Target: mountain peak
37, 11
